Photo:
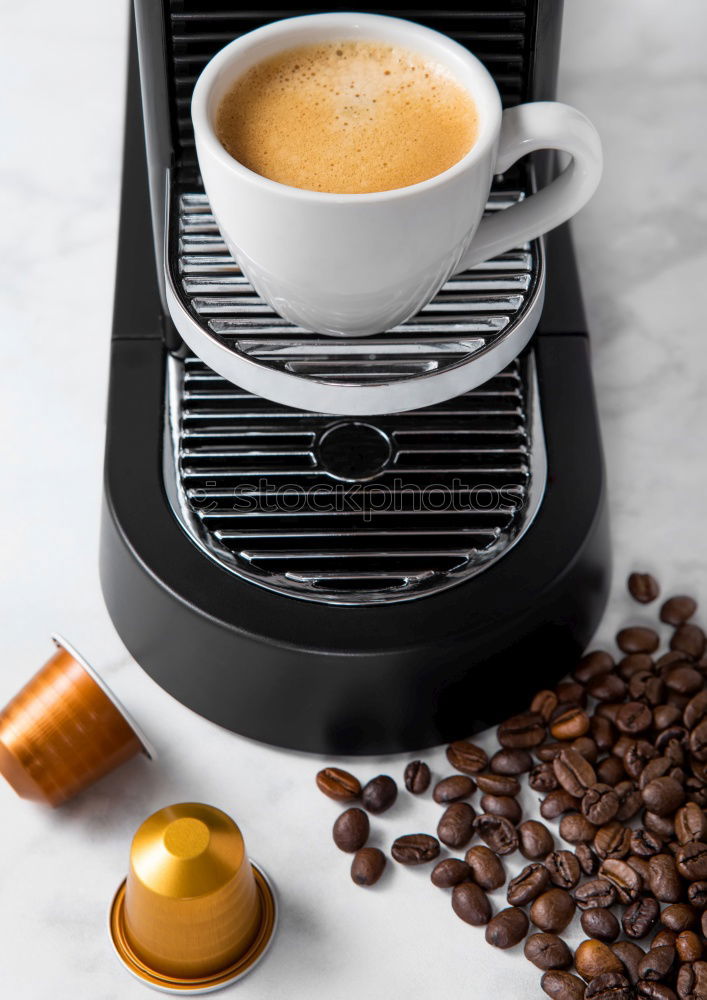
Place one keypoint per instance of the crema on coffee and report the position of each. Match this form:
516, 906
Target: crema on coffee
347, 117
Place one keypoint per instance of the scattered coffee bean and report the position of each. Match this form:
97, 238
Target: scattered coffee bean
660, 825
608, 688
528, 885
689, 946
692, 981
657, 964
456, 826
576, 829
471, 904
564, 868
664, 937
646, 989
696, 709
643, 587
625, 880
677, 610
552, 910
511, 762
697, 895
645, 843
417, 777
609, 986
600, 923
613, 840
522, 731
485, 867
544, 703
678, 917
691, 860
497, 833
338, 785
535, 840
415, 849
637, 639
453, 789
542, 778
665, 881
588, 861
572, 723
351, 830
507, 928
640, 917
663, 796
634, 717
689, 639
502, 805
450, 872
574, 773
594, 958
630, 954
600, 804
556, 803
379, 794
498, 784
367, 866
562, 986
466, 757
592, 664
597, 892
547, 951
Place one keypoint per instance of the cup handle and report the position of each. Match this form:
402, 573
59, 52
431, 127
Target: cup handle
525, 129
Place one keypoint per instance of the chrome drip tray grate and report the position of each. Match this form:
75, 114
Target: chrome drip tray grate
354, 511
480, 320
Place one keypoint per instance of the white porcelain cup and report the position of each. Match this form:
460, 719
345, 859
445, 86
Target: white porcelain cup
358, 264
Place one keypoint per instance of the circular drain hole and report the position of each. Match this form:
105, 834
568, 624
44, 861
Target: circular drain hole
354, 451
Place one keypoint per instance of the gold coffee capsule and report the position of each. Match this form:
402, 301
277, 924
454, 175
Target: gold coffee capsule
194, 914
64, 730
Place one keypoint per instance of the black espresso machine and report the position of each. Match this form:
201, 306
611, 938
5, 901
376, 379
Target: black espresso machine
333, 583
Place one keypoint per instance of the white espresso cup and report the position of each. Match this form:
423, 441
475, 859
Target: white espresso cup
358, 264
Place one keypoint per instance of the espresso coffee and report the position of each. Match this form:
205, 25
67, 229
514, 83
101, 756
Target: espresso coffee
347, 117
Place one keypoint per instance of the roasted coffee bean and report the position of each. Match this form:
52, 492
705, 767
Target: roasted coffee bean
627, 882
570, 724
602, 732
697, 895
592, 664
689, 946
466, 757
677, 610
690, 824
594, 958
663, 796
379, 794
528, 885
502, 805
548, 751
630, 801
684, 679
588, 861
643, 687
665, 881
657, 964
643, 587
659, 767
564, 868
668, 660
610, 771
415, 849
689, 639
607, 688
692, 981
511, 762
498, 784
691, 861
556, 803
576, 828
417, 777
453, 789
456, 826
544, 703
547, 951
662, 825
485, 867
624, 742
471, 904
507, 928
613, 840
640, 917
338, 785
664, 937
560, 985
665, 716
497, 833
646, 989
630, 954
645, 843
634, 717
703, 924
574, 773
637, 639
535, 840
698, 741
522, 731
552, 911
641, 866
597, 892
678, 917
600, 804
635, 663
638, 754
609, 986
586, 747
696, 791
695, 710
367, 866
542, 778
450, 872
674, 735
351, 830
600, 923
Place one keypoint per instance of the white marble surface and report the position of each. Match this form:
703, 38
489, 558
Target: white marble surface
638, 69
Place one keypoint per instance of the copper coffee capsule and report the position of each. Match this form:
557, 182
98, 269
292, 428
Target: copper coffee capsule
194, 914
64, 730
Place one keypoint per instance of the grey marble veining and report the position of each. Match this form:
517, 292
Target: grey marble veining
638, 68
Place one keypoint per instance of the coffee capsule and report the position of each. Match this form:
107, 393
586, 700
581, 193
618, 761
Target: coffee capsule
64, 730
194, 913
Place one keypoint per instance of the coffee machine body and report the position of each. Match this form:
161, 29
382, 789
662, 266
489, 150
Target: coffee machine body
339, 584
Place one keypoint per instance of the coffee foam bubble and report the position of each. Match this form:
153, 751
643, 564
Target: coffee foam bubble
347, 117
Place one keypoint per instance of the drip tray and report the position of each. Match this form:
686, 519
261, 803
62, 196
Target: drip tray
478, 323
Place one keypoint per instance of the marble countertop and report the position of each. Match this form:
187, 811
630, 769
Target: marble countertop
639, 71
